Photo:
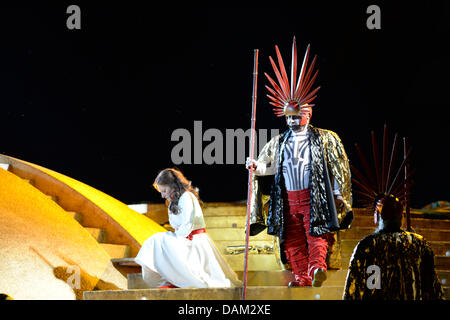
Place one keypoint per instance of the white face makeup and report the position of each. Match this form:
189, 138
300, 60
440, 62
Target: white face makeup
293, 121
300, 122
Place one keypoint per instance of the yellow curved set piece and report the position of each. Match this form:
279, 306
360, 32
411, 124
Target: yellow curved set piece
39, 243
137, 225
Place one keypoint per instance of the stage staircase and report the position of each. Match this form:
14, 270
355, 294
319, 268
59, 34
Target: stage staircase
78, 207
266, 278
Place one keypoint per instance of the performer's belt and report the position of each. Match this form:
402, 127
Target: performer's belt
194, 232
296, 201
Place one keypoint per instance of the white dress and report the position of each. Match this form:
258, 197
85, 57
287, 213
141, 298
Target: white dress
171, 257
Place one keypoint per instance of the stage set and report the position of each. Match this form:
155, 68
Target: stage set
97, 100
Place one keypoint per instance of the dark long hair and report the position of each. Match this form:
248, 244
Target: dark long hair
177, 182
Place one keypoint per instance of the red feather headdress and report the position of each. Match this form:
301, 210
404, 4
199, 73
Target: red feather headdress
288, 99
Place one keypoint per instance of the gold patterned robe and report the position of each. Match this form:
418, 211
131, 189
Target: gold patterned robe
392, 266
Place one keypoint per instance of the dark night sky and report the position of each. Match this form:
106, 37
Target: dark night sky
100, 104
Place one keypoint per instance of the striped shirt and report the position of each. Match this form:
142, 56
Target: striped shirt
296, 161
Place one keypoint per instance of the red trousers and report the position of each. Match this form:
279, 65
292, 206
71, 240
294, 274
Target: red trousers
304, 252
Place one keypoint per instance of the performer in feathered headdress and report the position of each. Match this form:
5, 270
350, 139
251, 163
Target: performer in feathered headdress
389, 264
308, 169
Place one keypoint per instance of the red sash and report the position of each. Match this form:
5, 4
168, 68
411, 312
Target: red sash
194, 232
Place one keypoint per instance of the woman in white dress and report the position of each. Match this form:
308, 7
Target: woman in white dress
186, 257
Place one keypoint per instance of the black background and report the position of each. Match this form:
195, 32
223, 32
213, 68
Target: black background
100, 104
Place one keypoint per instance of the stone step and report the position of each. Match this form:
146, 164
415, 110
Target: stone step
440, 248
225, 221
124, 262
283, 277
129, 266
126, 266
77, 216
233, 234
97, 233
436, 214
434, 234
116, 251
240, 209
158, 213
257, 278
253, 293
442, 262
355, 233
348, 245
222, 245
256, 262
225, 209
418, 224
279, 278
239, 221
429, 234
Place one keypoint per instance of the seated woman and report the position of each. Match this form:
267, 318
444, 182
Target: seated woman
186, 257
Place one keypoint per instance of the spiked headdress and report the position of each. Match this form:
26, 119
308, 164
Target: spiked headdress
383, 182
288, 99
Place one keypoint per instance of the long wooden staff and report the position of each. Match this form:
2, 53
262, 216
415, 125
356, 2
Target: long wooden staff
407, 199
250, 172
